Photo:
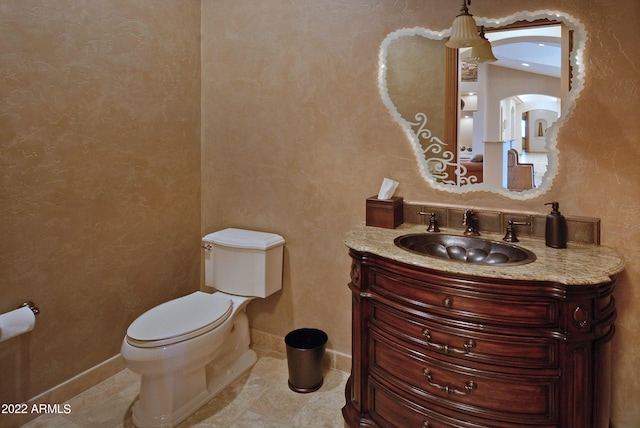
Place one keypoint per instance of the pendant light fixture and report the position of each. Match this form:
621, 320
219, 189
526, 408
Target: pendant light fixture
483, 51
464, 30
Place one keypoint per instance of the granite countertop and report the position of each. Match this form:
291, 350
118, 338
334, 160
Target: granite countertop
578, 264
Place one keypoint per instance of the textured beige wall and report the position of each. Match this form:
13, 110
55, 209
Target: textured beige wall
295, 137
100, 175
99, 159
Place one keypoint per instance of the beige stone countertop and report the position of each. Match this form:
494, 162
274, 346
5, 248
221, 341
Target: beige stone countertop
578, 264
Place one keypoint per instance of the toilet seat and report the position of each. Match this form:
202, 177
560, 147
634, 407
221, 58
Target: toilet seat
179, 319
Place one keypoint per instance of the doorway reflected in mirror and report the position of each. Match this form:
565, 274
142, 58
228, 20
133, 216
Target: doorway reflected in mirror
519, 101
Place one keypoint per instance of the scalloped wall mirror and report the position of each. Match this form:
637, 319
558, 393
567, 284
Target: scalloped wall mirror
489, 126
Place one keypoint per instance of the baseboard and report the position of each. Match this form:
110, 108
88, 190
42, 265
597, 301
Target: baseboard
68, 389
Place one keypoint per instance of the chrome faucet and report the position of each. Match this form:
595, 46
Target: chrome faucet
470, 220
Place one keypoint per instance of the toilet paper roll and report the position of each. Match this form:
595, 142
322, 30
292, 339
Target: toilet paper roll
16, 322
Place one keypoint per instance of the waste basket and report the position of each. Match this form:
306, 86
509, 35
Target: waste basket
305, 354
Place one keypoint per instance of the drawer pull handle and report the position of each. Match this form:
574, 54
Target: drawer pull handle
468, 345
426, 424
447, 303
468, 386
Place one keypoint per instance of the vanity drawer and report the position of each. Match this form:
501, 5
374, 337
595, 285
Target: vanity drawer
392, 410
466, 305
429, 336
494, 395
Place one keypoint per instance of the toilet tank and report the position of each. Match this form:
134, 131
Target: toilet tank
243, 262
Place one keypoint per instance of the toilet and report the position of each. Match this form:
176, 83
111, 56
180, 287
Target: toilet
188, 349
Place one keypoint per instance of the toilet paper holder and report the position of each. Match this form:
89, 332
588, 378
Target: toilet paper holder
31, 306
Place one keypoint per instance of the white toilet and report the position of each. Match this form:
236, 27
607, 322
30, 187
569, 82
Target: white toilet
190, 348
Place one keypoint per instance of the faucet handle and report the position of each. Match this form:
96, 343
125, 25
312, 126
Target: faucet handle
433, 222
470, 220
510, 236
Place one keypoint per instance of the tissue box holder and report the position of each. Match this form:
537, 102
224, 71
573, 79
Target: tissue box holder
387, 213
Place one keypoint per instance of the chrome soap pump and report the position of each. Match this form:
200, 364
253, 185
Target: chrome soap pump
555, 234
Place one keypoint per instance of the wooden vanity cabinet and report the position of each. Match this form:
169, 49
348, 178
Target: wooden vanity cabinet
434, 349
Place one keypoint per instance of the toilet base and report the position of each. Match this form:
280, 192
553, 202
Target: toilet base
222, 377
168, 398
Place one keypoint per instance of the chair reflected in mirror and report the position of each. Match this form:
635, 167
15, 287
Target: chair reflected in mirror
520, 176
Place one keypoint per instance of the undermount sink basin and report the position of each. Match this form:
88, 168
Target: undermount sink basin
465, 249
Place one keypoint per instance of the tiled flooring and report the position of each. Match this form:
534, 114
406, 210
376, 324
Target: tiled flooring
258, 399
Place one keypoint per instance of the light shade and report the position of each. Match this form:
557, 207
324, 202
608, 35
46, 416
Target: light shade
482, 53
464, 32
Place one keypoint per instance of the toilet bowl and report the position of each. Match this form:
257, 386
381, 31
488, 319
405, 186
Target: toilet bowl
174, 379
188, 349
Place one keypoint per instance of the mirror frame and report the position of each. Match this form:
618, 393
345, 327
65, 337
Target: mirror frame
423, 133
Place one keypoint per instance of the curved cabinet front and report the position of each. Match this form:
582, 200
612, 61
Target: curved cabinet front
436, 349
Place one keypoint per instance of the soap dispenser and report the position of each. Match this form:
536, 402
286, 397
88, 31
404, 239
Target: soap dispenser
555, 234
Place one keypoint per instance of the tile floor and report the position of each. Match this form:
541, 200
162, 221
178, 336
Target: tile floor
258, 399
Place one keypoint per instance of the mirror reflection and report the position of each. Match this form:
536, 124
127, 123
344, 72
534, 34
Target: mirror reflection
491, 125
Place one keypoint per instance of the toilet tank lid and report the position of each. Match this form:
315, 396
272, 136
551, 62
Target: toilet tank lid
242, 238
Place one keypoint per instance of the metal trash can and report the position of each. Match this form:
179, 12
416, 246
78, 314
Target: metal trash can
305, 355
